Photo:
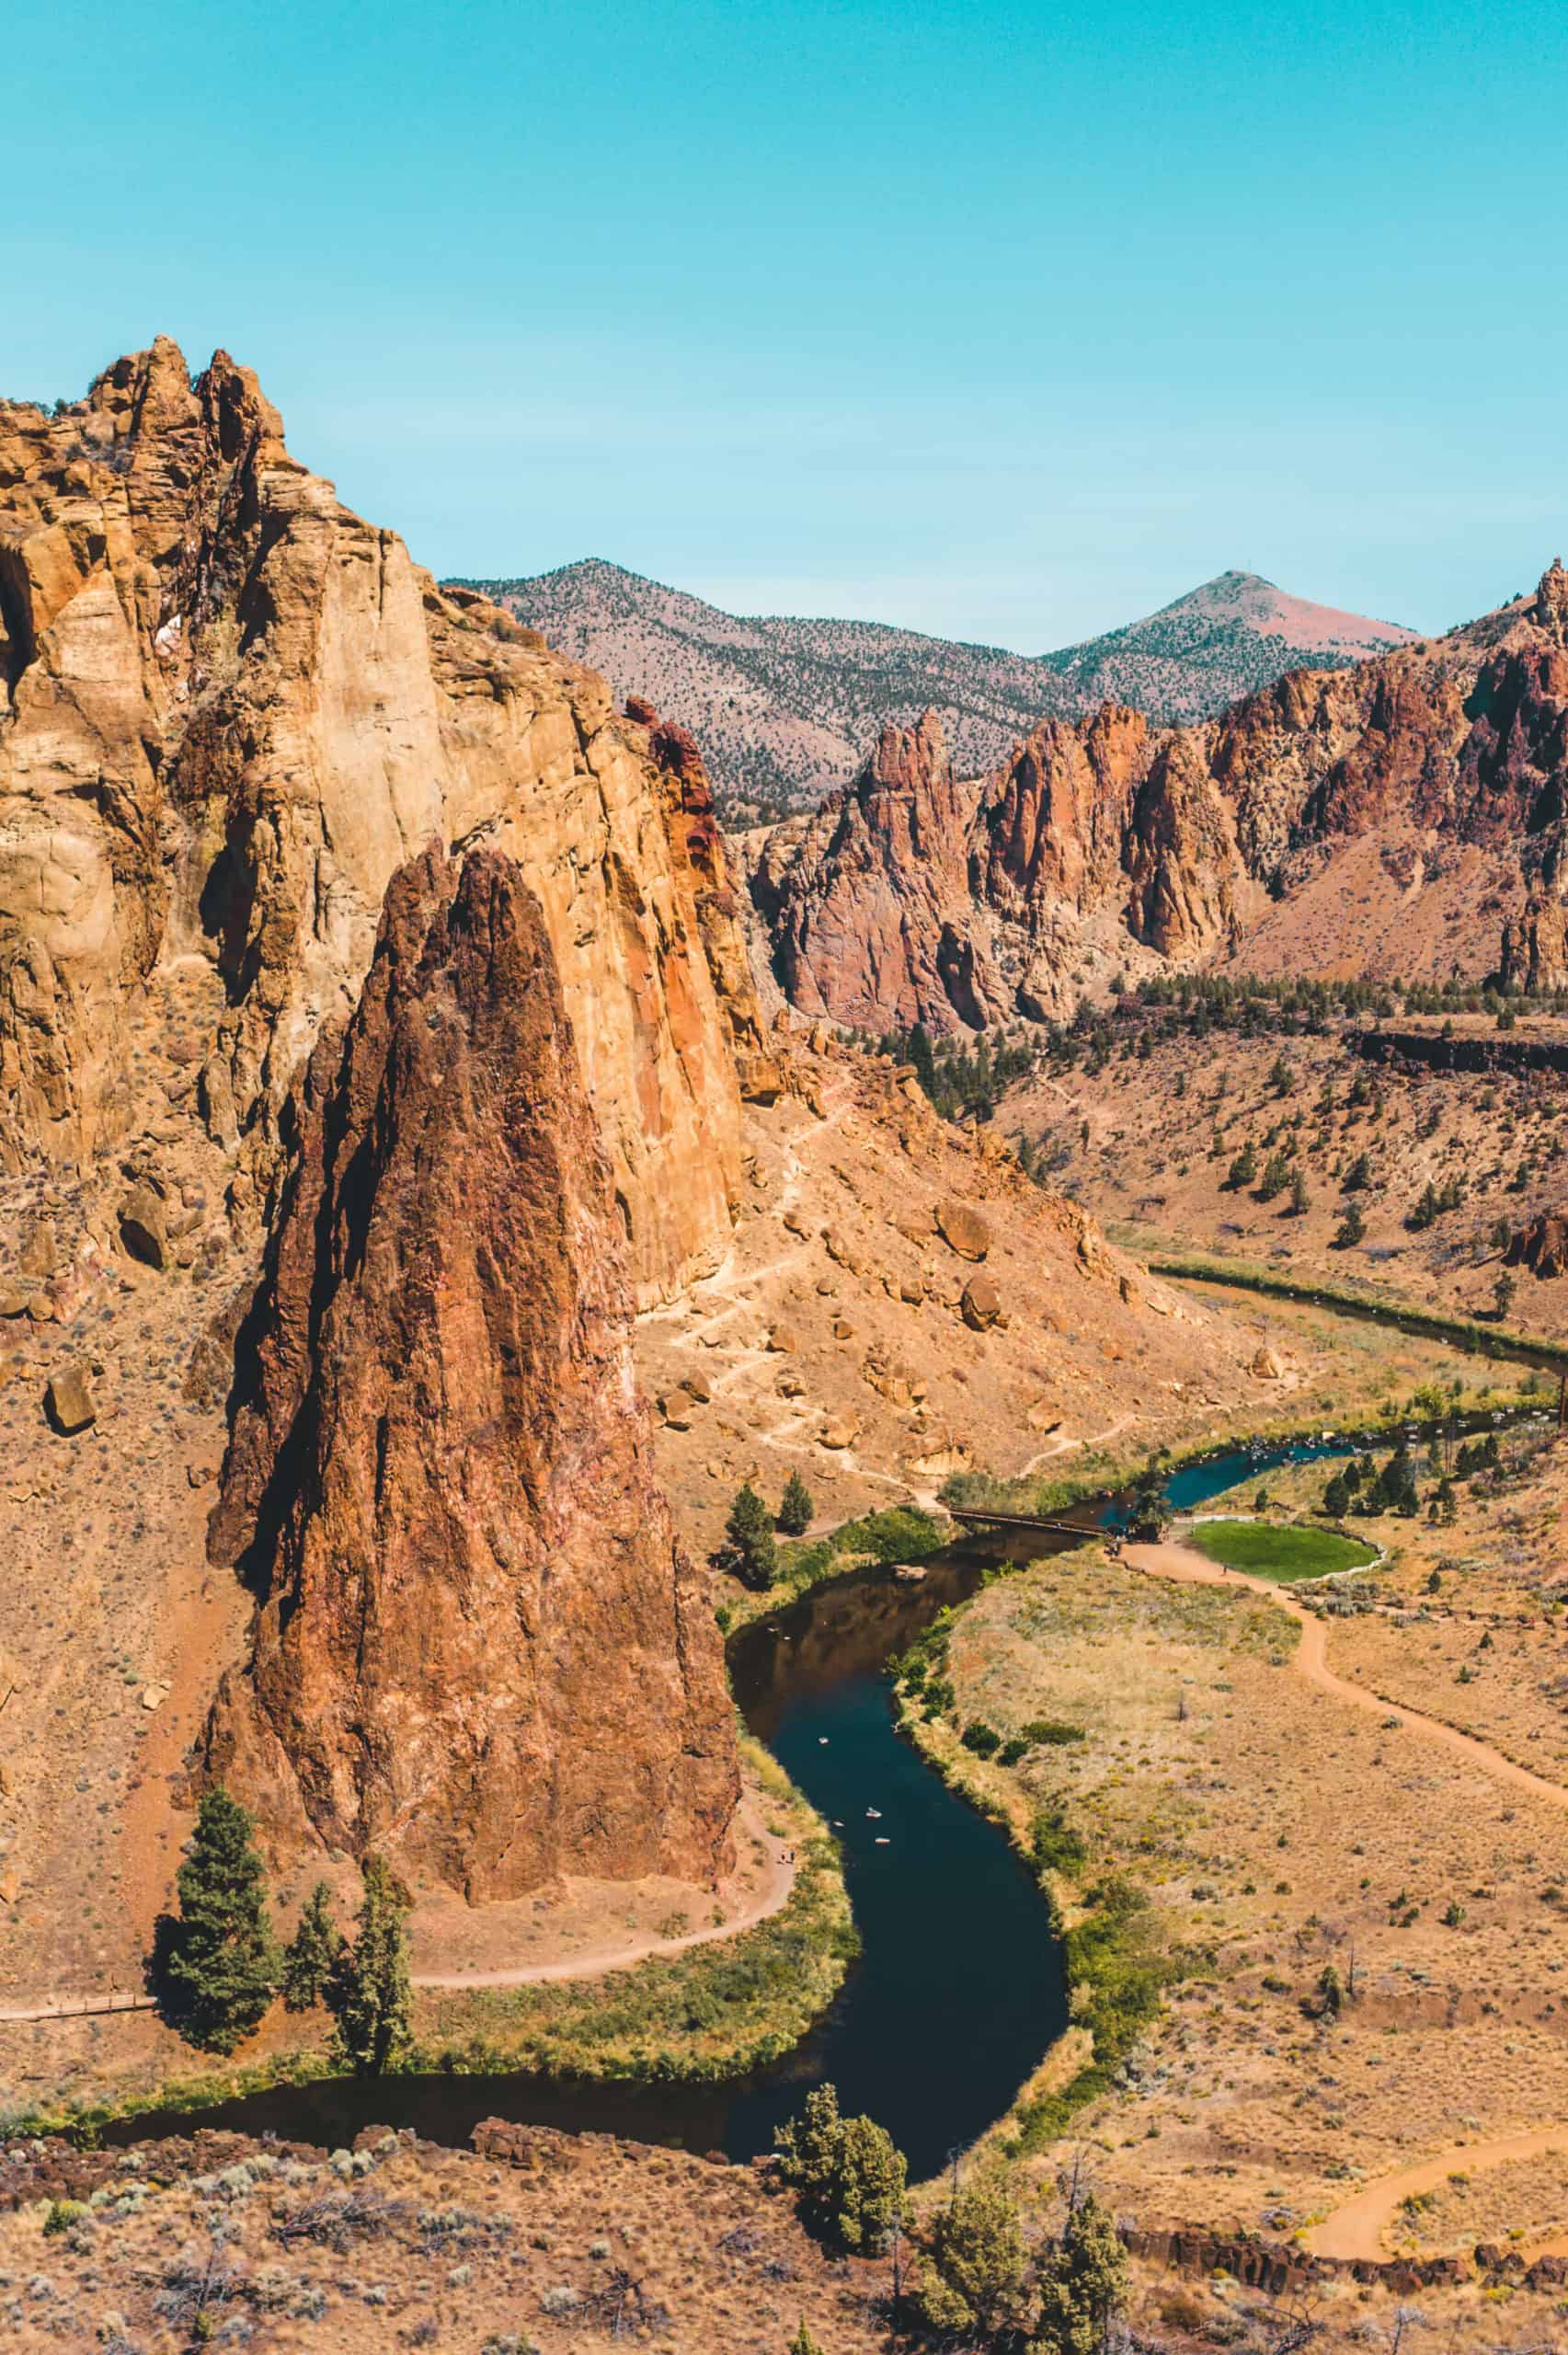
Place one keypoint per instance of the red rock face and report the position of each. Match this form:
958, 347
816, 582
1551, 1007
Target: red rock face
479, 1650
872, 923
1448, 761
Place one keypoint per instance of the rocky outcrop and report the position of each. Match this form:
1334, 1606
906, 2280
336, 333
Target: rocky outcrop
870, 912
478, 1649
1391, 818
231, 711
1542, 1246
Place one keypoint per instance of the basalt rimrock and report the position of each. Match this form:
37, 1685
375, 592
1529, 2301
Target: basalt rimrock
1406, 816
229, 710
479, 1648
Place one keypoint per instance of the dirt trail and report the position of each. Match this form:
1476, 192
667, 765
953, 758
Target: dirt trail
772, 1894
1355, 2231
1173, 1560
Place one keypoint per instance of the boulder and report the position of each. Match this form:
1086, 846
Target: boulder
981, 1306
697, 1385
963, 1229
784, 1340
144, 1227
69, 1401
839, 1433
1542, 1246
1268, 1366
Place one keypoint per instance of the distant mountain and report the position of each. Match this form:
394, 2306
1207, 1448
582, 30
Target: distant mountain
786, 709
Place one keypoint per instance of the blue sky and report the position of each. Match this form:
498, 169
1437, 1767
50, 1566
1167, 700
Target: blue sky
1010, 322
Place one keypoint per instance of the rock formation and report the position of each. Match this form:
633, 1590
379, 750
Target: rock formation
230, 710
1406, 816
1541, 1247
479, 1648
871, 919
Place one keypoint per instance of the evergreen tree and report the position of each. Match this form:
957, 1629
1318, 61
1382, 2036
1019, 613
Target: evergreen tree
1243, 1170
748, 1550
1301, 1199
923, 1059
1502, 1293
222, 1960
1274, 1179
1359, 1174
1083, 2283
1336, 1497
796, 1508
313, 1953
370, 1995
970, 2284
847, 2170
1351, 1228
802, 2343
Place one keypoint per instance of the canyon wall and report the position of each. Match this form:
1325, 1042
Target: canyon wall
479, 1648
1407, 816
231, 711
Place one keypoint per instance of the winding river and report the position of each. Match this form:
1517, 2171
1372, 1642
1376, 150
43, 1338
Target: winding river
958, 1988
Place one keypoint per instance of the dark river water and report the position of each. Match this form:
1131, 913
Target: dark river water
958, 1988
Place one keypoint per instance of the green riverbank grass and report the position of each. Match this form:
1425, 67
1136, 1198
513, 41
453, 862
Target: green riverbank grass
1281, 1552
1489, 1336
898, 1534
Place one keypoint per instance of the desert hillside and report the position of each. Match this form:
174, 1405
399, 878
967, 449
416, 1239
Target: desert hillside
1420, 1155
785, 708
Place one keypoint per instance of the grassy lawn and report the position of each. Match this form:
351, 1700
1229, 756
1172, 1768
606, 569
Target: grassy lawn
1281, 1554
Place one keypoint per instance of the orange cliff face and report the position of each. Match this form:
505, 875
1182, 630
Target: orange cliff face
1408, 815
480, 1649
232, 710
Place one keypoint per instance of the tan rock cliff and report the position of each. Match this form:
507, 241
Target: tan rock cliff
231, 711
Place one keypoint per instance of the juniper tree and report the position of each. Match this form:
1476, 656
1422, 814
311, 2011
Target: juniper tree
795, 1507
313, 1953
222, 1960
370, 1995
1083, 2283
848, 2171
971, 2281
748, 1550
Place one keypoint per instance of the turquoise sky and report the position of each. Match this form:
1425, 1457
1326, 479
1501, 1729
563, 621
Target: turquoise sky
1009, 322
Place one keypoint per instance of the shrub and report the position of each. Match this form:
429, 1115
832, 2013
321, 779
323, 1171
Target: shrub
983, 1740
63, 2214
1051, 1733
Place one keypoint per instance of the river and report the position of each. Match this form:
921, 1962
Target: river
958, 1990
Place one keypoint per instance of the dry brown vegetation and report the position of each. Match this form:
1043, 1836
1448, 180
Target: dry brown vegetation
1156, 1162
1277, 1833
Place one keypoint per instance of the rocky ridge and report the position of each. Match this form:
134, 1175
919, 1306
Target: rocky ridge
1406, 815
787, 707
231, 710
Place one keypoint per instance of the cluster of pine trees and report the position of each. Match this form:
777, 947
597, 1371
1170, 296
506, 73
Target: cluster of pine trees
219, 1964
